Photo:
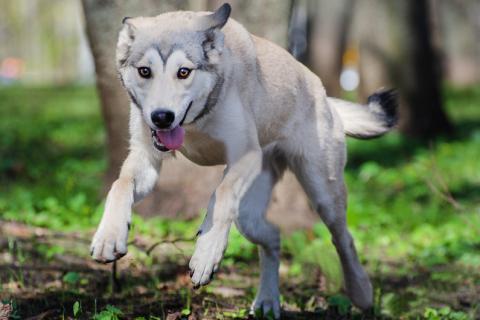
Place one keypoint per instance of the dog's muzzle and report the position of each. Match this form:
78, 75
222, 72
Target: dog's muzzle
172, 139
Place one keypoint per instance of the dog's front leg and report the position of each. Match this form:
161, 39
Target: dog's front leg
223, 208
137, 178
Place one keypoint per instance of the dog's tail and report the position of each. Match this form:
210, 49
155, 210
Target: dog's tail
368, 121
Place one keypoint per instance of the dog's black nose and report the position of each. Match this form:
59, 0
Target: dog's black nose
162, 118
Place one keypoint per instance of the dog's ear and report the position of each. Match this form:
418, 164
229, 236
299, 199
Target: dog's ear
125, 40
211, 24
219, 18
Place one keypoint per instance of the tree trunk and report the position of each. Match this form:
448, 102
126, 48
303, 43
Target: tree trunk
422, 115
101, 25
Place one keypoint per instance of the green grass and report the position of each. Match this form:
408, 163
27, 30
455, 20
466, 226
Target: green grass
52, 156
414, 210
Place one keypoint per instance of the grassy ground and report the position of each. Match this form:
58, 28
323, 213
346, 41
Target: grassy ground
414, 211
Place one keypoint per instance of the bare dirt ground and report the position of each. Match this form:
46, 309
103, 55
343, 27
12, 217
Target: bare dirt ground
45, 284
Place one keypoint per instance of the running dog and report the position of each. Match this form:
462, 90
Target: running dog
201, 84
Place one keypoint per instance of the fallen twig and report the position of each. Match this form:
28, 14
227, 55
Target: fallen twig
445, 195
116, 285
173, 242
443, 191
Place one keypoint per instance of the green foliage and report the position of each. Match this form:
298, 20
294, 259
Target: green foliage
341, 303
49, 251
240, 314
444, 313
76, 308
419, 203
187, 297
52, 156
316, 253
71, 278
109, 313
239, 249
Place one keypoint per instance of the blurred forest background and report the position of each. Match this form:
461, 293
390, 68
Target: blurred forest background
414, 195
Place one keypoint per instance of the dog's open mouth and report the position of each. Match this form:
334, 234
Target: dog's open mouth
172, 139
167, 140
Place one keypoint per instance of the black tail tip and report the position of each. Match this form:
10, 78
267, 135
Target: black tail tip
388, 101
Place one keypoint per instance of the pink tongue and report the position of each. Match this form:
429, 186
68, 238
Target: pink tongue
172, 139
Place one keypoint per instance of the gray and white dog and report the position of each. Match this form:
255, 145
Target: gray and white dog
201, 84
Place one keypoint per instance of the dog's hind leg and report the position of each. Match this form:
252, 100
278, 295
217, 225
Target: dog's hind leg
251, 222
322, 180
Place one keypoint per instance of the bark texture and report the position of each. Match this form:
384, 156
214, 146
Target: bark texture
102, 22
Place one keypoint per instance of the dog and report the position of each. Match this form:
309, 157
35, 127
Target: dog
201, 84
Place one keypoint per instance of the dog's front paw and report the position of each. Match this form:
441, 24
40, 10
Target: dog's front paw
207, 256
110, 242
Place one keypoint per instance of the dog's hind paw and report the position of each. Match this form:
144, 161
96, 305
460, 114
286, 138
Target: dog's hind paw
266, 307
359, 289
207, 256
109, 243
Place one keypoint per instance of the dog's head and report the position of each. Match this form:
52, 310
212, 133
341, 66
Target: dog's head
169, 65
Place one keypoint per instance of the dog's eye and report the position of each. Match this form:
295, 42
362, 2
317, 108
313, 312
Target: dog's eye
145, 72
183, 73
